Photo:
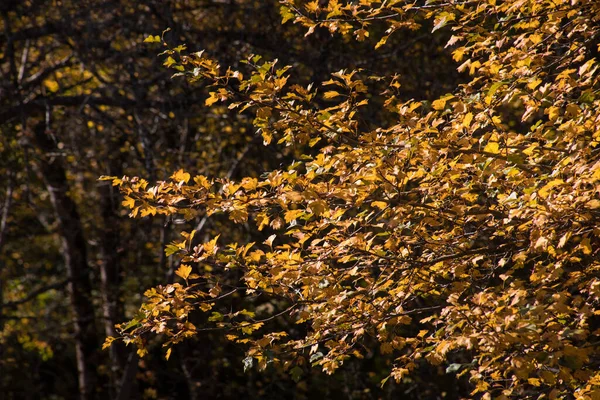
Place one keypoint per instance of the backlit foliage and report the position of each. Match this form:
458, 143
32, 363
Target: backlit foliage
463, 225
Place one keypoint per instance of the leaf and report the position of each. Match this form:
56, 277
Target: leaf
492, 90
453, 368
152, 39
212, 99
440, 22
545, 190
286, 14
534, 381
169, 62
534, 83
317, 207
248, 362
563, 240
51, 85
239, 215
292, 215
379, 204
331, 94
269, 240
593, 204
586, 246
181, 176
184, 271
382, 42
168, 354
108, 342
171, 249
467, 120
492, 147
215, 317
128, 202
314, 141
440, 103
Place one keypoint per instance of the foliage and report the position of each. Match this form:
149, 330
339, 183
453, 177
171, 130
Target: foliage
461, 227
82, 95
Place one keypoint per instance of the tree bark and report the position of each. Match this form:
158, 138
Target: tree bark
74, 252
110, 274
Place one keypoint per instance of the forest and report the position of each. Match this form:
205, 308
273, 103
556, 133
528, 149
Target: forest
294, 199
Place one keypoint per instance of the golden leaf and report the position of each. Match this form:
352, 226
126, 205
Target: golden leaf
183, 271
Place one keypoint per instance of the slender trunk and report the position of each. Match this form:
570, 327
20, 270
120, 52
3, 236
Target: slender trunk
3, 229
127, 387
192, 383
123, 383
112, 308
74, 252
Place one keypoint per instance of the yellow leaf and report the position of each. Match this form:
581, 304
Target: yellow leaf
545, 191
212, 99
440, 103
292, 215
534, 83
181, 176
152, 39
492, 147
128, 202
142, 352
108, 342
553, 113
317, 207
458, 54
239, 215
379, 204
467, 120
169, 61
168, 353
51, 85
593, 204
201, 180
381, 42
331, 94
541, 243
470, 197
534, 381
211, 247
184, 271
386, 348
586, 246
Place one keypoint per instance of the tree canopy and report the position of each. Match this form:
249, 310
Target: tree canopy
460, 230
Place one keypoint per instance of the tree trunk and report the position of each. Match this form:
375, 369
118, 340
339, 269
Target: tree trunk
112, 307
74, 252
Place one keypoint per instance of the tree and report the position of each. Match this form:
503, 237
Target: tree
83, 96
461, 231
